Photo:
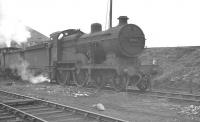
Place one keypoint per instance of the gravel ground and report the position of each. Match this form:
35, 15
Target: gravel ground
117, 104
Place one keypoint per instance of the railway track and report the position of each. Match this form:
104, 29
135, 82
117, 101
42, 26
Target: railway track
20, 108
169, 95
7, 117
178, 96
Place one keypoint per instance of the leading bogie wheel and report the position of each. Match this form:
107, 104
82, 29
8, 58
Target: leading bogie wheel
143, 85
120, 83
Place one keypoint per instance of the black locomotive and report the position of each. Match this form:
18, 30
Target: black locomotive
98, 59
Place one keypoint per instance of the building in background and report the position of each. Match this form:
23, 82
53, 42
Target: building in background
36, 38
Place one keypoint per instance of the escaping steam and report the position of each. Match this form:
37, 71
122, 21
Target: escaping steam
27, 75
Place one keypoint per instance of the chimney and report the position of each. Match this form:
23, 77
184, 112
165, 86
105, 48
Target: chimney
123, 20
96, 27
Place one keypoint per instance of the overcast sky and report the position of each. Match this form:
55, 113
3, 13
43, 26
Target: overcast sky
164, 22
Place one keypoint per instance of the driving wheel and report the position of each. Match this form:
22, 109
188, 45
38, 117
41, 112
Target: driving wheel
81, 78
63, 77
99, 82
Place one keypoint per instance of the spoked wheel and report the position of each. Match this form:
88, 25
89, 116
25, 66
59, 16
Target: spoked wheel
143, 83
81, 78
63, 77
119, 83
99, 82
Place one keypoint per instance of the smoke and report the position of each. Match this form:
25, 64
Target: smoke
26, 74
11, 29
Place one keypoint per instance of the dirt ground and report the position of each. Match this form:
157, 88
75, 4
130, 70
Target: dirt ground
179, 67
133, 108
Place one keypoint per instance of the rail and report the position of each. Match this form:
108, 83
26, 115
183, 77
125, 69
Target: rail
40, 114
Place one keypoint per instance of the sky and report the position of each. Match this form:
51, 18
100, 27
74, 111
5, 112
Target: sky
164, 22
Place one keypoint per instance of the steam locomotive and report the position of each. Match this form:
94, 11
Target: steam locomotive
99, 59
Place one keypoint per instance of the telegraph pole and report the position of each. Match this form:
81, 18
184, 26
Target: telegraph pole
110, 15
